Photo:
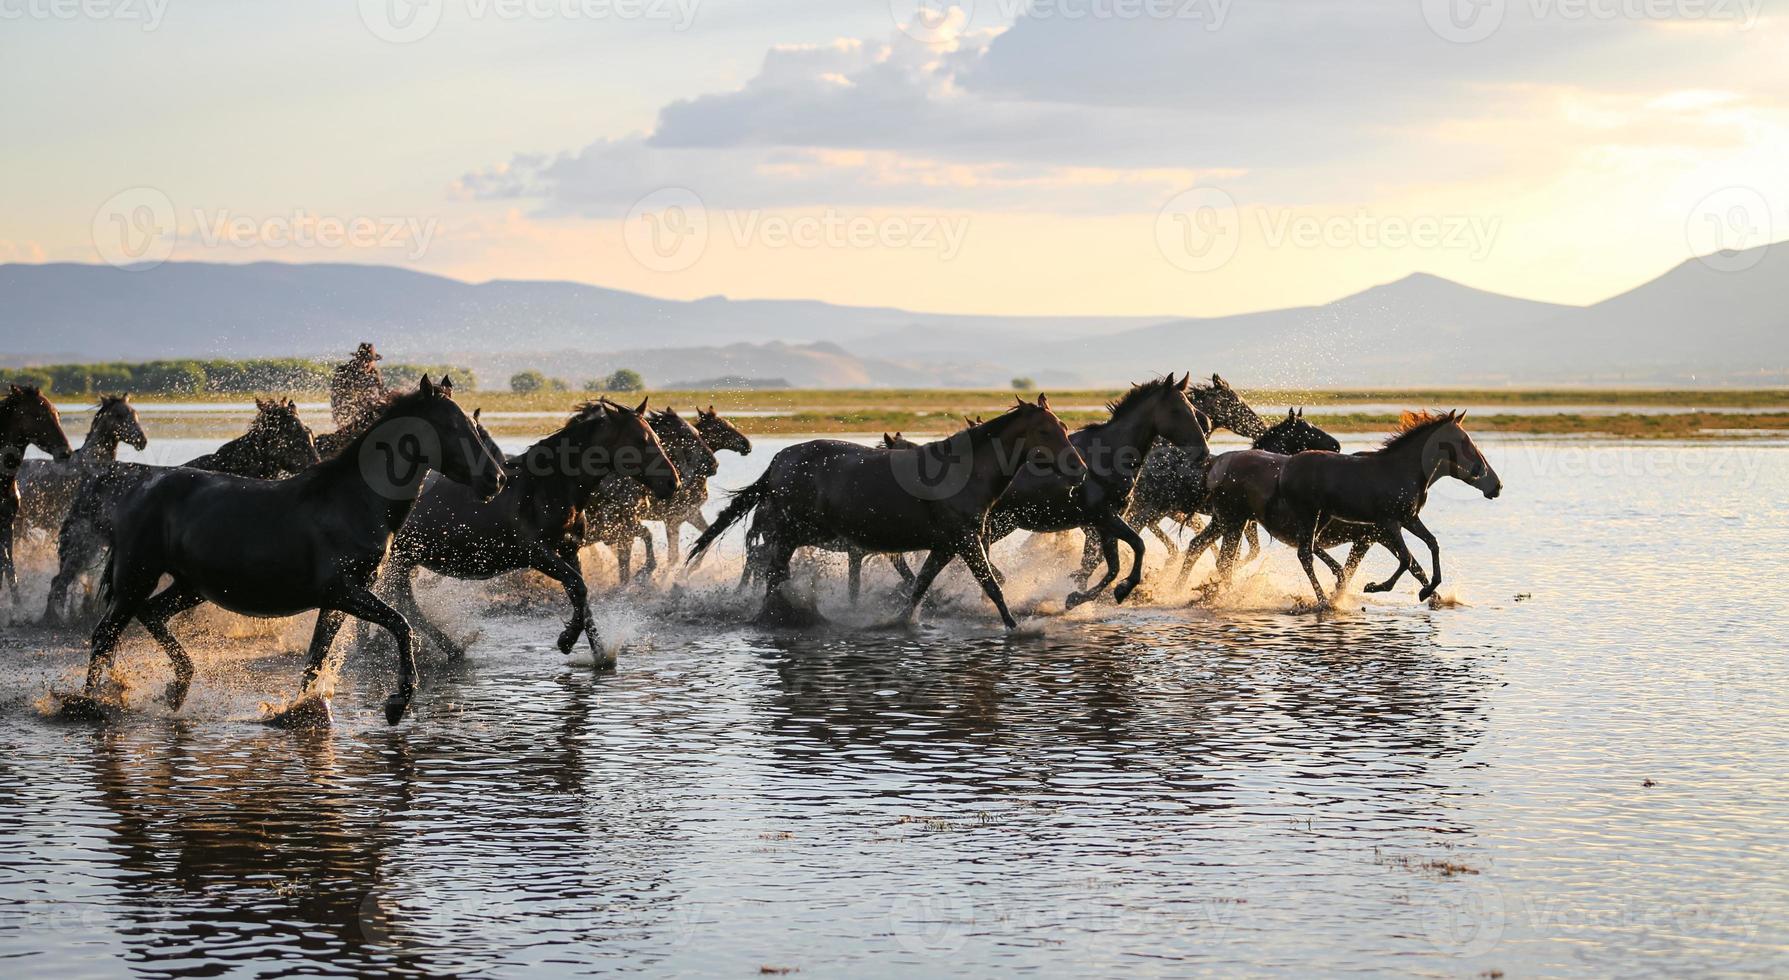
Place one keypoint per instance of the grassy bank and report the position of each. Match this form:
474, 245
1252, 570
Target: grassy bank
1714, 414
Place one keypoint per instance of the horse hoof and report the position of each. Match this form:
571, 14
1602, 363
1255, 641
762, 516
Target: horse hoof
308, 712
567, 640
1426, 594
395, 706
1077, 599
174, 695
81, 708
1123, 592
1375, 588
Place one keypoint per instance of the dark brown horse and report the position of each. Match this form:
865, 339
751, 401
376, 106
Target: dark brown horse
935, 498
26, 419
536, 522
281, 547
1114, 451
277, 443
1315, 501
1384, 490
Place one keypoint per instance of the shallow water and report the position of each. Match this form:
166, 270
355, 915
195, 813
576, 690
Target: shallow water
1156, 789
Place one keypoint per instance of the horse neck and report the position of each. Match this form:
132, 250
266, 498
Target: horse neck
1132, 428
341, 476
1405, 461
102, 441
1243, 421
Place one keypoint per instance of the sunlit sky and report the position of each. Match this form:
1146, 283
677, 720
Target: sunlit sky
1063, 156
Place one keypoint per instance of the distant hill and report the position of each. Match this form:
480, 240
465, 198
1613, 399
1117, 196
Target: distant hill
1692, 325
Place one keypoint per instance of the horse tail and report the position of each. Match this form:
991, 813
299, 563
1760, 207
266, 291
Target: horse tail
743, 502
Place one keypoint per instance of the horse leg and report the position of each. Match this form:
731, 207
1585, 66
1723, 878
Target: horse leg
403, 597
8, 576
854, 572
1252, 531
624, 558
361, 603
1417, 527
1091, 550
1134, 541
899, 561
1196, 547
648, 570
673, 535
1357, 552
568, 576
976, 557
934, 564
1392, 536
154, 616
1108, 546
778, 609
1307, 548
75, 551
329, 622
128, 596
1155, 528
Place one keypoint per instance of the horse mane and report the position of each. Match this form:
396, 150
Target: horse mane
1413, 426
1138, 393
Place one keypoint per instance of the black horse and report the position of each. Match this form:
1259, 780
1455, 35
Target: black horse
935, 498
27, 419
1114, 451
277, 443
616, 516
281, 547
47, 488
536, 522
1172, 481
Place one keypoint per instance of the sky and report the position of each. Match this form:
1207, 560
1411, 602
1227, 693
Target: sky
1137, 157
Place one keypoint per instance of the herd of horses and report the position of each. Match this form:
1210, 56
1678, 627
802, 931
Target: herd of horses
281, 521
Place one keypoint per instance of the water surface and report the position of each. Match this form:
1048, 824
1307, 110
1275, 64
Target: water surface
1158, 789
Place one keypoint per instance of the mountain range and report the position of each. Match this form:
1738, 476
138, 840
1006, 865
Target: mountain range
1695, 324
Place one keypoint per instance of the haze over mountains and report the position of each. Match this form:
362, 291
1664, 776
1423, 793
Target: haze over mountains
1695, 324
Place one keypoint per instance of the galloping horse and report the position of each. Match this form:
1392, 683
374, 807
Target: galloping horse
1114, 451
934, 498
281, 547
277, 443
1389, 488
536, 522
1384, 490
26, 419
47, 489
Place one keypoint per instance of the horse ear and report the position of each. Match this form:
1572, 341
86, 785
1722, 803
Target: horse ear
476, 411
1301, 413
15, 389
425, 386
1184, 380
447, 386
1290, 415
1461, 416
1043, 400
642, 409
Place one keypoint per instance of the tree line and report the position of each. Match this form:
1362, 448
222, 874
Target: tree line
193, 376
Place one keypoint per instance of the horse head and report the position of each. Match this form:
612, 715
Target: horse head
36, 422
1449, 451
721, 434
1043, 438
1226, 408
689, 450
116, 422
1293, 434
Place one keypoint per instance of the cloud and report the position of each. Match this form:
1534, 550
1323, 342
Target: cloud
1281, 99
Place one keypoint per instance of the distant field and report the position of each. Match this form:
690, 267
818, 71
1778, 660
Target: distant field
1719, 413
